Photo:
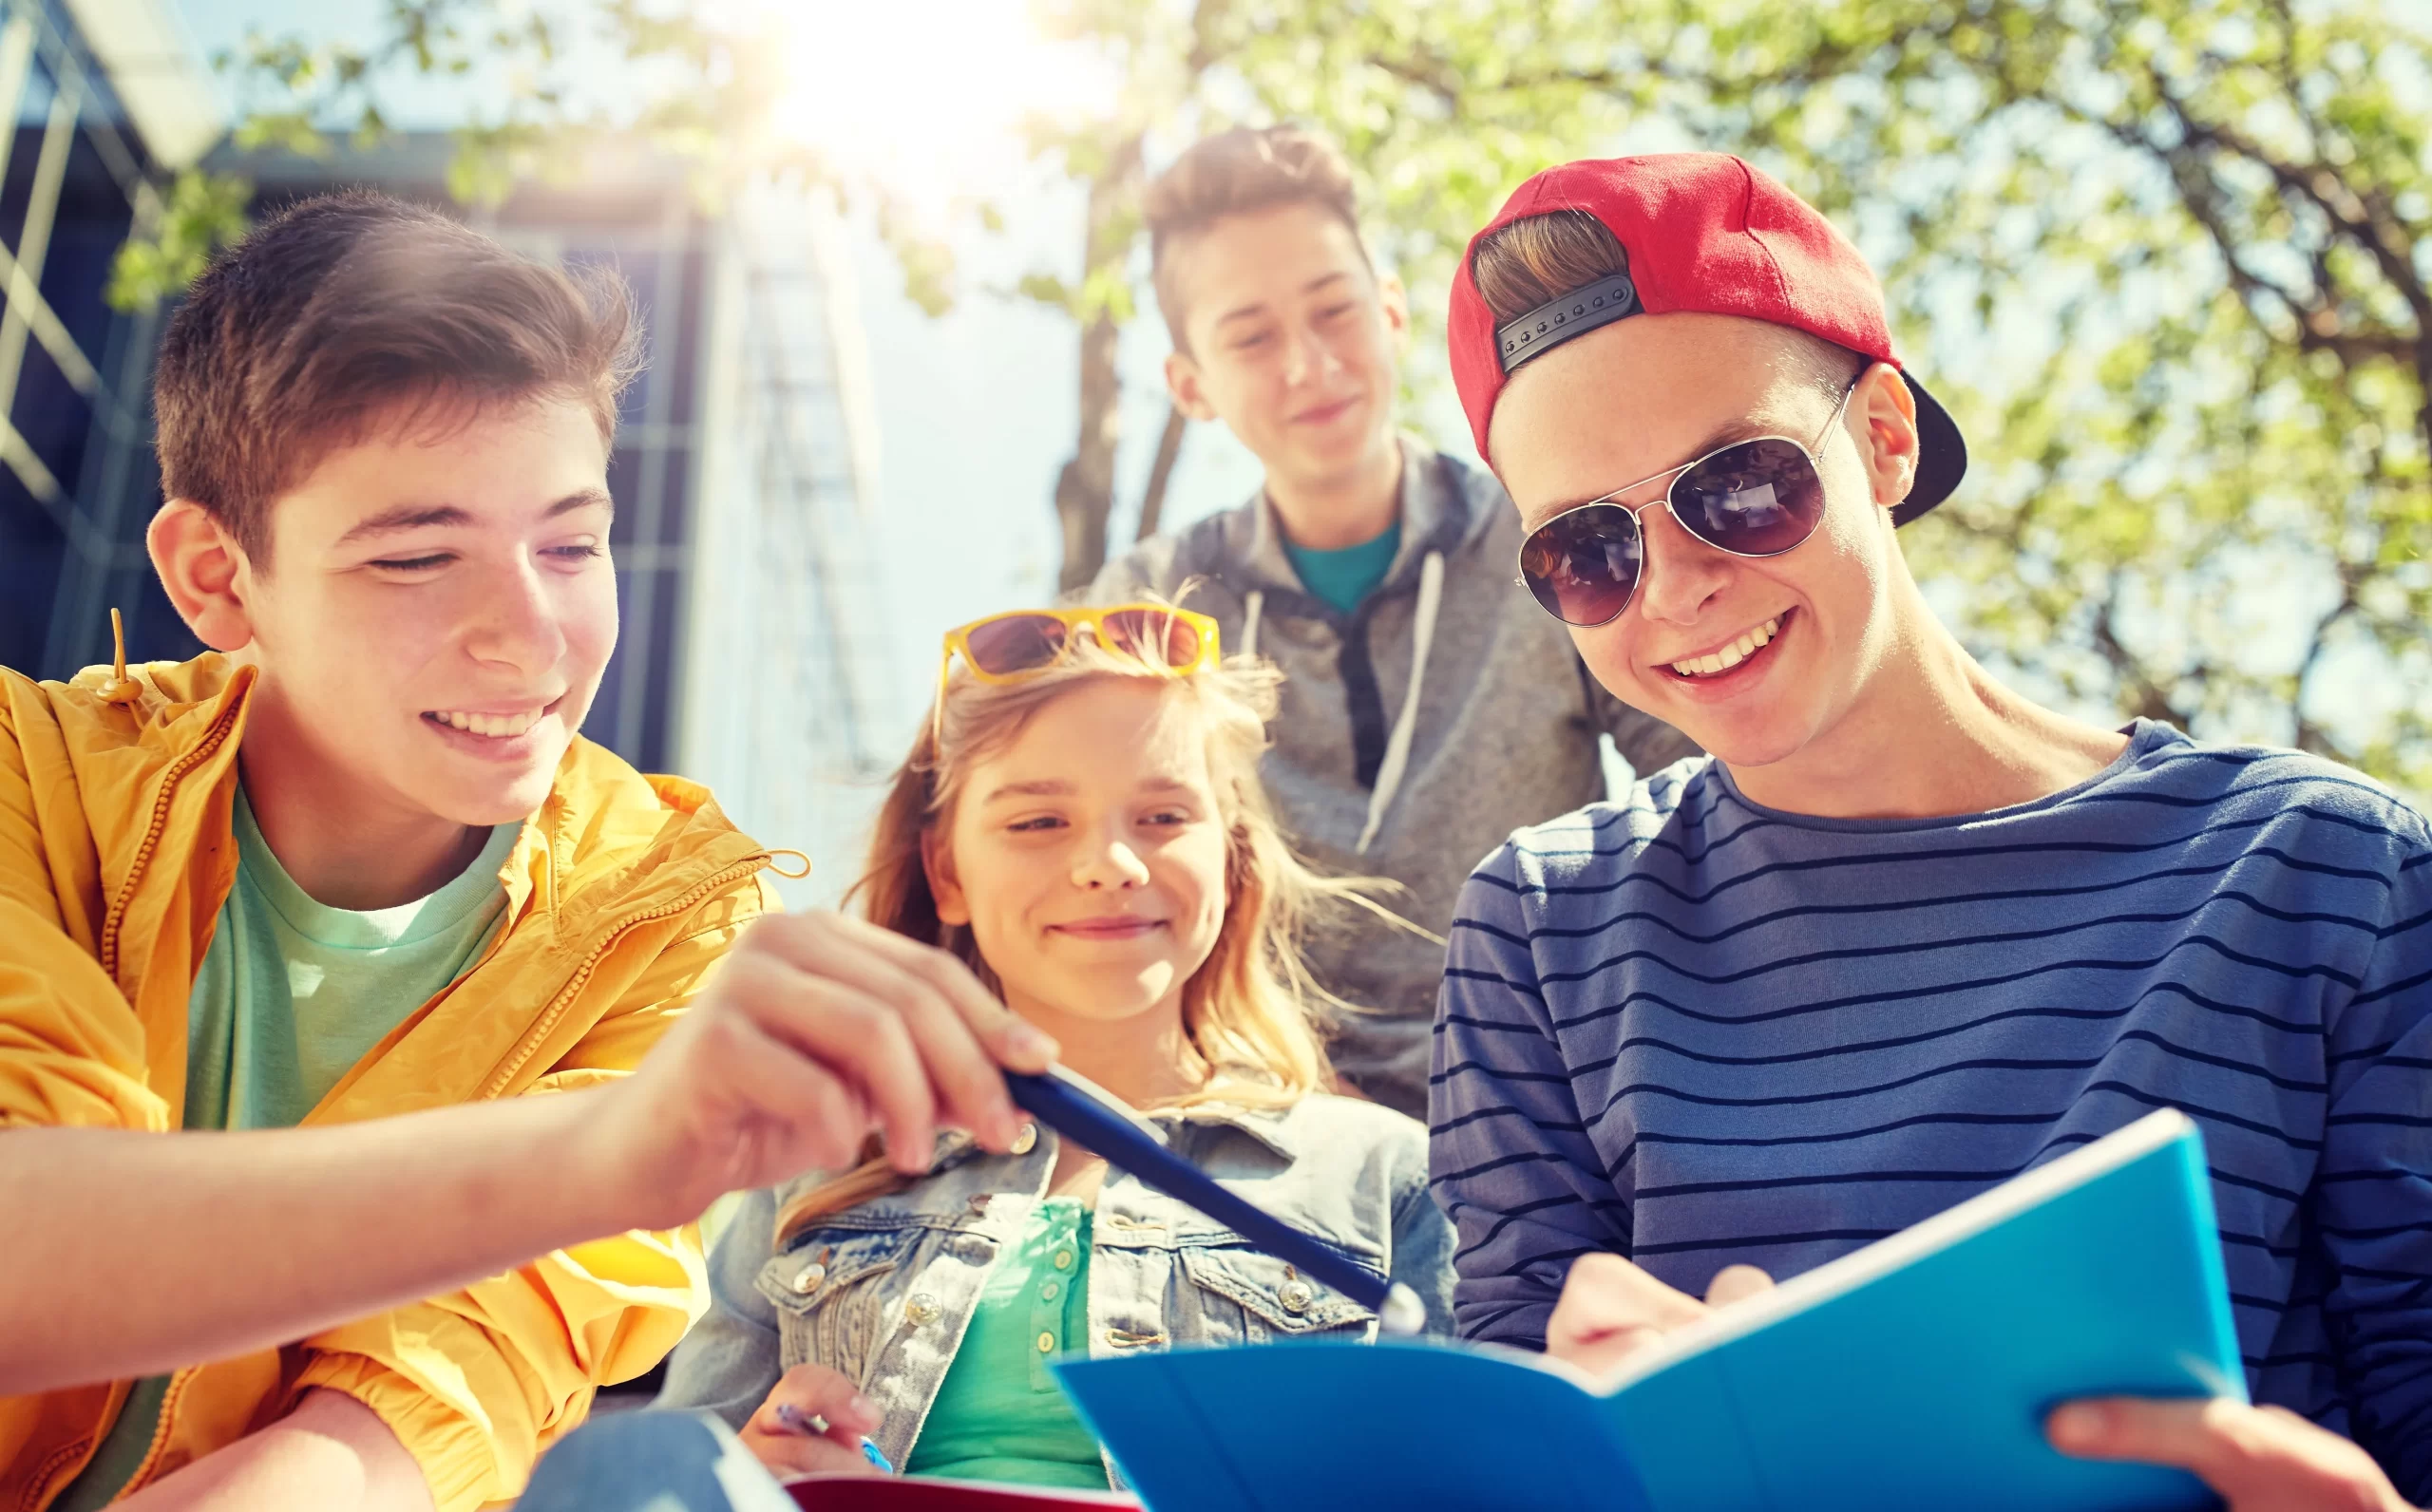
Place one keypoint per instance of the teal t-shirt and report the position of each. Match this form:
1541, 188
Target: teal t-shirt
291, 994
998, 1414
1343, 576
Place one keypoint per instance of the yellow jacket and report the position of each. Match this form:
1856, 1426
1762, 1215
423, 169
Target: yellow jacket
115, 854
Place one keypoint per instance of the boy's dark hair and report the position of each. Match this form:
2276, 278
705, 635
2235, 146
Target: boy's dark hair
1234, 173
341, 309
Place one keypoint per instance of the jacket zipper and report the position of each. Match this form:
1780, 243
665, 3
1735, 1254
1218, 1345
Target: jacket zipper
169, 1395
557, 1005
176, 774
111, 922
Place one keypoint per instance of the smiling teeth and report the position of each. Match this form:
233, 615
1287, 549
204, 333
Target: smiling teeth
1733, 655
498, 727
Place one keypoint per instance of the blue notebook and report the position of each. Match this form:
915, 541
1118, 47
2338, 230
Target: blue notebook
1914, 1372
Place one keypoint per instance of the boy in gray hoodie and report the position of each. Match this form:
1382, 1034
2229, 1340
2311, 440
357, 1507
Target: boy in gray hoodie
1431, 707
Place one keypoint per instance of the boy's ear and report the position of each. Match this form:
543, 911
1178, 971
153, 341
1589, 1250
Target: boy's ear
1182, 381
1394, 301
953, 908
206, 572
1885, 414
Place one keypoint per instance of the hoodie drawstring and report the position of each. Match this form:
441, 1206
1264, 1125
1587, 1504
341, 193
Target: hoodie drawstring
1252, 607
121, 688
1389, 775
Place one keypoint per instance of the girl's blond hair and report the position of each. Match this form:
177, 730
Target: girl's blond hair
1252, 1010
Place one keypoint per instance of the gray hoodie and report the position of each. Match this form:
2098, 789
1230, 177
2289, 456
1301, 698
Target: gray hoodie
1415, 733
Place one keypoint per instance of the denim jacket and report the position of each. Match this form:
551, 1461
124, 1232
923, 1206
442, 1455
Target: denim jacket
884, 1292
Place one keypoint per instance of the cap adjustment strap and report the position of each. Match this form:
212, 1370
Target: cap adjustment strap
1557, 320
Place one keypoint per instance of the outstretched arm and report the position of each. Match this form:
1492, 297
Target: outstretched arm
816, 1030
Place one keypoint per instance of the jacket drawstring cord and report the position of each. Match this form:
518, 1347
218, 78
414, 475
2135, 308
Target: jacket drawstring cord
1389, 775
121, 688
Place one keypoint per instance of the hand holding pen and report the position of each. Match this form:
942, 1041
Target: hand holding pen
816, 1422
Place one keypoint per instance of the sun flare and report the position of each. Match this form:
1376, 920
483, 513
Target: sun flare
928, 95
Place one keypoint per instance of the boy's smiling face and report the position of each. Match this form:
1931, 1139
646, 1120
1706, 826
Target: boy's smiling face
1657, 391
437, 607
1292, 340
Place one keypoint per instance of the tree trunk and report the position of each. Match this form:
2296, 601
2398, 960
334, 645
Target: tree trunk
1153, 502
1085, 490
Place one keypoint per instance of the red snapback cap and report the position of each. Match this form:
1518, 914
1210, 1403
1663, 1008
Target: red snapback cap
1703, 232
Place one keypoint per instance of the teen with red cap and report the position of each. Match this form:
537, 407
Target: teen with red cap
1906, 933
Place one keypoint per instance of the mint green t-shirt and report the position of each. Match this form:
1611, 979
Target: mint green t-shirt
998, 1414
291, 994
1344, 577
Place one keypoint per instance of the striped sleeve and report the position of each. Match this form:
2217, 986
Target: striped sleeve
2375, 1189
1510, 1156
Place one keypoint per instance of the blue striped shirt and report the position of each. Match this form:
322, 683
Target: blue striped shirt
1694, 1032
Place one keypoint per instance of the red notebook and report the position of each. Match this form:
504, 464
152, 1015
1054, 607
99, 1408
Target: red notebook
915, 1493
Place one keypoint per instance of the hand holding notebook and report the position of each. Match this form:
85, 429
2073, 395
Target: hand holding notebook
1914, 1372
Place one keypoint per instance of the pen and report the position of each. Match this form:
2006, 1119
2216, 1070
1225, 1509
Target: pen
804, 1422
1098, 1121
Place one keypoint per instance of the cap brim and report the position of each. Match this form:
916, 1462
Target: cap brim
1942, 455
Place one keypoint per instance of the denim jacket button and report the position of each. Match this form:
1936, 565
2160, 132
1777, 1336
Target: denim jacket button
1027, 1140
922, 1308
806, 1279
1295, 1296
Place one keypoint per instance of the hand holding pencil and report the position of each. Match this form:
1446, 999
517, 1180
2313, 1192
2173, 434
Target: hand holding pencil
816, 1422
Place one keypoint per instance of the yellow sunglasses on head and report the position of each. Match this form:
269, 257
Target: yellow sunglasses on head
1022, 643
1009, 647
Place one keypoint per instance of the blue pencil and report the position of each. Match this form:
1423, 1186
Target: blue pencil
1096, 1120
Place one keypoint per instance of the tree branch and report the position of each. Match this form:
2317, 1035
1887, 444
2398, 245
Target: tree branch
2149, 700
1161, 472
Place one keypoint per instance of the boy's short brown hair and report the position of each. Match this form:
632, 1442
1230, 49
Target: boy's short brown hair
341, 309
1234, 173
1537, 259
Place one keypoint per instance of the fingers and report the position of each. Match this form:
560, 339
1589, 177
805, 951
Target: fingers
826, 1115
912, 1017
819, 1391
1013, 1042
854, 1033
1737, 1283
2187, 1434
790, 1453
786, 1432
1610, 1310
2259, 1459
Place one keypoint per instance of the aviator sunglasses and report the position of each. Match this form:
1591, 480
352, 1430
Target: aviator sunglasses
1756, 498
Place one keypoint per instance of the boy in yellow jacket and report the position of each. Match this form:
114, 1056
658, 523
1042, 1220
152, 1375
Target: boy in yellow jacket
287, 930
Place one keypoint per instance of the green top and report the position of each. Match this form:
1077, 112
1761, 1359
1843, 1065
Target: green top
998, 1415
291, 994
1344, 577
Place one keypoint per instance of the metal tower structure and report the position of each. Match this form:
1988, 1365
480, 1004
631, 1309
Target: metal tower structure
101, 99
794, 706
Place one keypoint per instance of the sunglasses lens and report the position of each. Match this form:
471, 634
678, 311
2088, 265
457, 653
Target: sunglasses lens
1756, 500
1157, 638
1016, 643
1582, 566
